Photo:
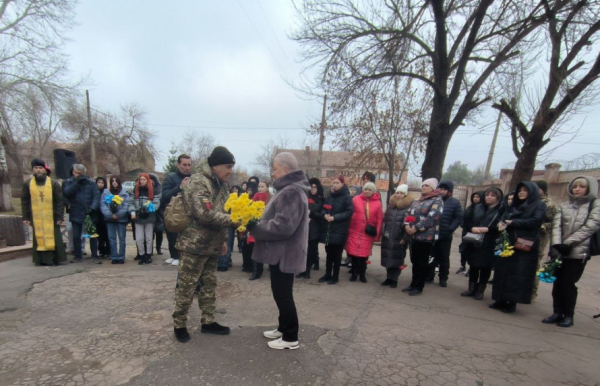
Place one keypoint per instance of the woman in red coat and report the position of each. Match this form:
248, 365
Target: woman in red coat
365, 228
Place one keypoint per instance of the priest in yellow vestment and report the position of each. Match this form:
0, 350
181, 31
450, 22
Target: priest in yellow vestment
43, 208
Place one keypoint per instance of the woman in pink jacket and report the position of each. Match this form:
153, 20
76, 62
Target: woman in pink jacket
365, 228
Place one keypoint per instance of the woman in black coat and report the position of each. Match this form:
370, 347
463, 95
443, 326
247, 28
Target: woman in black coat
486, 217
315, 206
99, 246
393, 240
467, 224
337, 211
514, 275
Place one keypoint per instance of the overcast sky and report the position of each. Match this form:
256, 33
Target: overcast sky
221, 67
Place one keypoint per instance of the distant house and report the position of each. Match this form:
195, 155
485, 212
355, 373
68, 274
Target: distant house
334, 163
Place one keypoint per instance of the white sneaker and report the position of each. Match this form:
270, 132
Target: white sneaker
175, 263
280, 344
169, 260
272, 334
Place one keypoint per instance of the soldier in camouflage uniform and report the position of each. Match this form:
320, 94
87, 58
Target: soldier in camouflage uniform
546, 229
203, 241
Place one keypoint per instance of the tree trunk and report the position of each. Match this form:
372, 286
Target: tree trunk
390, 184
5, 188
525, 165
122, 168
438, 140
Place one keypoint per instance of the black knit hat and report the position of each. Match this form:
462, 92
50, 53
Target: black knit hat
221, 156
38, 162
542, 185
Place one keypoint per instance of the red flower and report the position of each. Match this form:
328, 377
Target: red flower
328, 207
311, 201
409, 219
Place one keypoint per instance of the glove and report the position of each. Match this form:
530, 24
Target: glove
563, 249
252, 224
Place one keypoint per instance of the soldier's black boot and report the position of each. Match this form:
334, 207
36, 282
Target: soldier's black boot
148, 259
214, 328
182, 335
142, 259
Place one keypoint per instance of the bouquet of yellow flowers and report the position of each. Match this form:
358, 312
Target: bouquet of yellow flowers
244, 210
503, 247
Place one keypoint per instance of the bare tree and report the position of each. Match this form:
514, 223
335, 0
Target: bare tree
573, 71
124, 136
387, 131
197, 145
452, 47
32, 37
264, 159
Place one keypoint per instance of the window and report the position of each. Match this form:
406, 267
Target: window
330, 173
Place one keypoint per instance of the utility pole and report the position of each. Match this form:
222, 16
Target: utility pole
91, 136
488, 165
321, 137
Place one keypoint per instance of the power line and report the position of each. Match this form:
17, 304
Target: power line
260, 36
272, 30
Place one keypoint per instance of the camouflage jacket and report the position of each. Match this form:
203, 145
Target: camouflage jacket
551, 209
203, 199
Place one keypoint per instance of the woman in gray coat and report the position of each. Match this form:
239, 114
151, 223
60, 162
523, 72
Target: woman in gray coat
575, 222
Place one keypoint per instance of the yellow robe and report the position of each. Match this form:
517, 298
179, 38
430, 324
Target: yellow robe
42, 214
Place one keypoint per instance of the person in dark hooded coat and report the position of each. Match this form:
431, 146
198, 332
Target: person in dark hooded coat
485, 221
315, 206
337, 211
467, 223
514, 275
394, 241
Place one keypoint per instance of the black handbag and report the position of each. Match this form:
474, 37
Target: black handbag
371, 230
477, 238
473, 238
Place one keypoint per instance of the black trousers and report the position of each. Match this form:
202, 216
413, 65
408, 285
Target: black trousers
312, 254
479, 275
334, 259
282, 286
158, 236
441, 253
419, 257
359, 265
172, 239
247, 262
564, 291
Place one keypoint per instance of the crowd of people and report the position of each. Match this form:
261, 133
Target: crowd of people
300, 215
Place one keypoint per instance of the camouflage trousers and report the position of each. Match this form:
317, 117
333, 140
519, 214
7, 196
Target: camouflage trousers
191, 268
542, 255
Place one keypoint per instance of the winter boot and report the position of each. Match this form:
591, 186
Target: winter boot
141, 259
471, 290
480, 291
182, 335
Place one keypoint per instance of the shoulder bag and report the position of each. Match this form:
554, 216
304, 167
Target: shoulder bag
371, 230
477, 238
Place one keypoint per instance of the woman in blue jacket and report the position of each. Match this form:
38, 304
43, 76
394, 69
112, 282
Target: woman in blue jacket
116, 218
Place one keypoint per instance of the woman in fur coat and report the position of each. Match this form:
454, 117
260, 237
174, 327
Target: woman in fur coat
393, 242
